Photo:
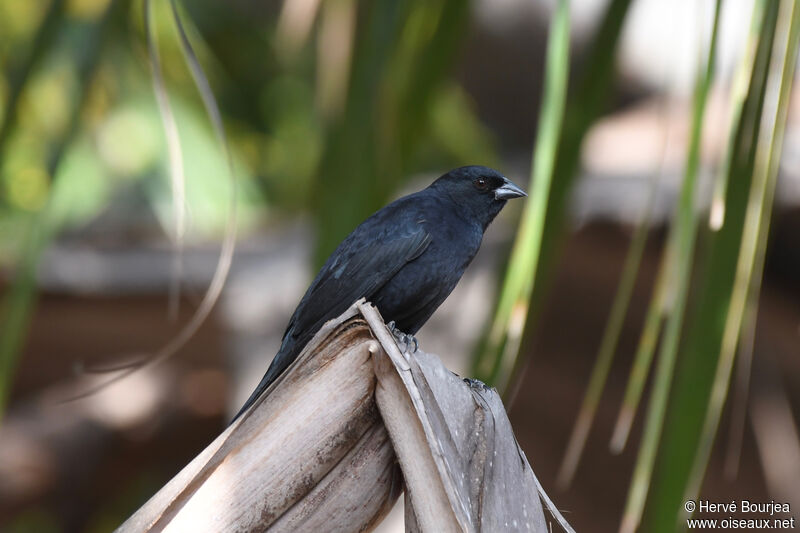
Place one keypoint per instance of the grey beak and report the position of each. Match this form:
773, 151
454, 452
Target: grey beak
508, 190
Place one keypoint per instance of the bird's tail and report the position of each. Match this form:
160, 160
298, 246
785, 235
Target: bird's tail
282, 360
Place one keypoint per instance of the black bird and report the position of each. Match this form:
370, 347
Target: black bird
405, 259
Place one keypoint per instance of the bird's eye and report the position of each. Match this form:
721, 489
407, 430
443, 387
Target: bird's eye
481, 184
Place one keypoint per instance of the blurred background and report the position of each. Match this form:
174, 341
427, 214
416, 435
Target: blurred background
641, 313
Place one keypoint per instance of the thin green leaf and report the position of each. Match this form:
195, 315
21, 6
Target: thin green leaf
657, 310
17, 307
582, 108
747, 339
756, 224
741, 81
654, 317
610, 339
401, 53
744, 365
697, 363
685, 228
18, 78
648, 340
506, 330
18, 304
294, 26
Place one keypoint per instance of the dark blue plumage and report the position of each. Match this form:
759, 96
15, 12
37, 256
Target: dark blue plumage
405, 259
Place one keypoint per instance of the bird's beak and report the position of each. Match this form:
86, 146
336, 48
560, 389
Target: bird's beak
508, 190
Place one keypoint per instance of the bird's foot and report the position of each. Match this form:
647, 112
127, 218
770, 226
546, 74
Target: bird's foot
476, 383
404, 339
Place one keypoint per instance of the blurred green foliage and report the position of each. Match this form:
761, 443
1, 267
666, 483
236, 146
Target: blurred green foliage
525, 283
328, 109
328, 120
326, 114
291, 138
728, 277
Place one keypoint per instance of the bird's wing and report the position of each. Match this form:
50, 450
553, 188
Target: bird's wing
362, 264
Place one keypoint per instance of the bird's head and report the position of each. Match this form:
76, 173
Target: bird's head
480, 191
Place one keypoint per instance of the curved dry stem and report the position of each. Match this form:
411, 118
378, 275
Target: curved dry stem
176, 168
229, 241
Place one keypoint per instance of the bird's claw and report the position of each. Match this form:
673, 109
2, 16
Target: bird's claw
476, 383
404, 339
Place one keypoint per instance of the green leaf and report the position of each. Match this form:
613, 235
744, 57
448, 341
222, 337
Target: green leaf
506, 331
683, 237
525, 279
696, 367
